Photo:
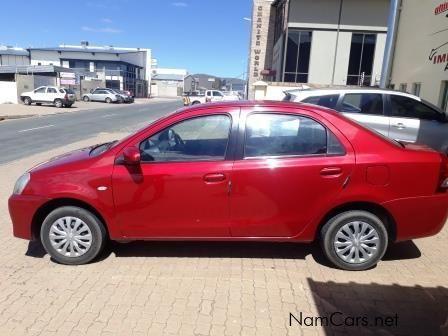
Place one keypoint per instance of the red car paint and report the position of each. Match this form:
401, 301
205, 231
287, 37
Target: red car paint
274, 199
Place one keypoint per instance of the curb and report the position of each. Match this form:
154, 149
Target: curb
20, 116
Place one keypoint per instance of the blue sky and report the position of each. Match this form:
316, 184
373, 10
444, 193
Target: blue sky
209, 36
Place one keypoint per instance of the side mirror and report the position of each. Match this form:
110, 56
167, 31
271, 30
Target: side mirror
131, 156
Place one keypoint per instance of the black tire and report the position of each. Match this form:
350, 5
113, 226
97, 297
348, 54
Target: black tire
27, 100
39, 104
86, 99
68, 105
331, 228
108, 100
195, 102
97, 229
58, 103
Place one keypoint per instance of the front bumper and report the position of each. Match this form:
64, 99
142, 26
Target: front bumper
22, 209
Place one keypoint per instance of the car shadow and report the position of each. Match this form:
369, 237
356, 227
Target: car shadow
197, 249
351, 308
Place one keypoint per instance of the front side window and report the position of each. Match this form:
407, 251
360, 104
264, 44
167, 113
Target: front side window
404, 107
197, 139
364, 103
283, 135
329, 101
217, 94
362, 53
297, 56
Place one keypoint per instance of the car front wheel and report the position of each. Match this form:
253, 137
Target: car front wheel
72, 235
27, 101
86, 99
354, 240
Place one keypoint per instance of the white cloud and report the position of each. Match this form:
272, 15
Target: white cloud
179, 4
247, 18
106, 20
101, 30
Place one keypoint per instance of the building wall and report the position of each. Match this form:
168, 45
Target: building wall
8, 92
14, 60
421, 51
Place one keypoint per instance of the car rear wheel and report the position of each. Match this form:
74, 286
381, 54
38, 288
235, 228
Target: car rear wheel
108, 100
354, 240
72, 235
195, 103
58, 103
86, 99
27, 101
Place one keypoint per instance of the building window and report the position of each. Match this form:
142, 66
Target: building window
297, 56
444, 96
362, 53
416, 88
403, 87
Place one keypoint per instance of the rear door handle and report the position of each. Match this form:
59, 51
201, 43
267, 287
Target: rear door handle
399, 126
331, 171
214, 177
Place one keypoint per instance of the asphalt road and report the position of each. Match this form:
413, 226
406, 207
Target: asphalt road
23, 137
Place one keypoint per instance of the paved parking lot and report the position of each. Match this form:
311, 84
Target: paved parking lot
215, 288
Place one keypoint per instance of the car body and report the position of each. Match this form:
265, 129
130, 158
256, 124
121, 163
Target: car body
59, 96
237, 171
102, 95
210, 96
398, 115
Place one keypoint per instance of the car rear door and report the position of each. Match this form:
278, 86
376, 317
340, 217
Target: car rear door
413, 121
288, 168
366, 108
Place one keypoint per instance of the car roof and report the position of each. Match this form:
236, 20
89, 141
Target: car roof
328, 91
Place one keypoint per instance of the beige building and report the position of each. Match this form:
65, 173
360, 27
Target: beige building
420, 62
317, 42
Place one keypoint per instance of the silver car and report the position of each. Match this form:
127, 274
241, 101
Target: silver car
102, 95
398, 115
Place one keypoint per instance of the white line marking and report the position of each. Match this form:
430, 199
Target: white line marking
35, 128
109, 115
142, 110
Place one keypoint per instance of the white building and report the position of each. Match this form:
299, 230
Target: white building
317, 42
120, 68
167, 82
420, 62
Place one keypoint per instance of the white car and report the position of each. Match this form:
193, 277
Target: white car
60, 97
209, 97
103, 95
397, 115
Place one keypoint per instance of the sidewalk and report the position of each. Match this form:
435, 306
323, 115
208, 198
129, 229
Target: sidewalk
13, 111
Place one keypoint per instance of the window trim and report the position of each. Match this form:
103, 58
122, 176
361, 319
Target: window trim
383, 97
226, 153
243, 133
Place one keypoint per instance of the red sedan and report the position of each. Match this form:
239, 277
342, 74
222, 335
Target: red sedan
237, 171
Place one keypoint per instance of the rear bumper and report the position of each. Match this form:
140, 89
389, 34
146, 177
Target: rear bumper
419, 217
22, 210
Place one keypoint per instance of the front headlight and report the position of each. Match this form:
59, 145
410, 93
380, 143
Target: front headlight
21, 183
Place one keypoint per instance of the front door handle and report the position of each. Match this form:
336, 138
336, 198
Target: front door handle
399, 126
331, 171
214, 177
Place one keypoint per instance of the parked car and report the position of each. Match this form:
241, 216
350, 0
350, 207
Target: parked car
210, 96
238, 171
398, 115
125, 96
60, 97
102, 95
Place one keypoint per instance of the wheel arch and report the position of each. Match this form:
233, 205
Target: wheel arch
374, 208
53, 204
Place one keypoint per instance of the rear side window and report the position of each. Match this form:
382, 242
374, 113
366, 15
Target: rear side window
404, 107
329, 101
364, 103
284, 135
51, 90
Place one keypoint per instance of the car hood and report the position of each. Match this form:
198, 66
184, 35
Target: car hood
63, 159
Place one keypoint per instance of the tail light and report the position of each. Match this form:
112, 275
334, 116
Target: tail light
443, 185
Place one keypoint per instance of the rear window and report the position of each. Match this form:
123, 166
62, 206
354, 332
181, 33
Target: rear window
65, 90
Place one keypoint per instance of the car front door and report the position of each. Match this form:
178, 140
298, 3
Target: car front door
413, 121
39, 94
51, 95
367, 109
288, 168
96, 95
180, 189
